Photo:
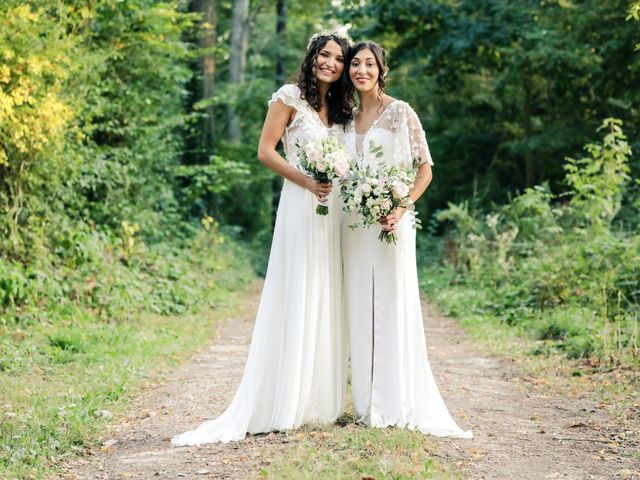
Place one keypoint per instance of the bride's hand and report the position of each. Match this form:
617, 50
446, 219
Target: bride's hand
320, 190
390, 221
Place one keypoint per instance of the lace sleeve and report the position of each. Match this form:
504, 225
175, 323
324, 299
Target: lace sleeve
288, 94
417, 140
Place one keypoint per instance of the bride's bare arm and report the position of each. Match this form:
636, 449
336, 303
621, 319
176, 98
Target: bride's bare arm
278, 117
424, 175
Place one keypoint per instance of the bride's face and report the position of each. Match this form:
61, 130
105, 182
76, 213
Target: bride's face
329, 62
364, 71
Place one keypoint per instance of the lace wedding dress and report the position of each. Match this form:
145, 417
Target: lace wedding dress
391, 377
296, 366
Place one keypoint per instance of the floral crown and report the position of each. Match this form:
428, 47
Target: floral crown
341, 34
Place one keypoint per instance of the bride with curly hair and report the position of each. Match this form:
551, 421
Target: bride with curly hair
296, 367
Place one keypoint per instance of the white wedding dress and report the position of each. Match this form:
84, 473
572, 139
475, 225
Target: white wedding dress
296, 367
391, 377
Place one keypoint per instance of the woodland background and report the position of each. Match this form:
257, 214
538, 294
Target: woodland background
129, 183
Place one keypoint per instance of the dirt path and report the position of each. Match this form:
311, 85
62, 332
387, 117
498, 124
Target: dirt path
522, 430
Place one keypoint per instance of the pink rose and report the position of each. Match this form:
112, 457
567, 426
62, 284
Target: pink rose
386, 204
313, 156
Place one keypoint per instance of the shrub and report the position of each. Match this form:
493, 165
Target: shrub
562, 268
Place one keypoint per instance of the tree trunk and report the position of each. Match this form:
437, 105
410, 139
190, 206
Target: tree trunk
204, 84
237, 60
529, 161
208, 43
281, 36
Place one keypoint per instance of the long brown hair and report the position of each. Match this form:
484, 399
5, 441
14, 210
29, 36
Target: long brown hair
339, 98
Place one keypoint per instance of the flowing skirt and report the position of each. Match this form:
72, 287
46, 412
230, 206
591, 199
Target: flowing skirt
296, 366
391, 377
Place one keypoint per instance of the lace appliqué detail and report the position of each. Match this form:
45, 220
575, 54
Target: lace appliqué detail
399, 132
306, 125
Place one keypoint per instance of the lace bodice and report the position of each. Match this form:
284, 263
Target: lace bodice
306, 125
398, 132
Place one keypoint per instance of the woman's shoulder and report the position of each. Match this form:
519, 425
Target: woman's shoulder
290, 89
405, 113
289, 94
399, 106
398, 112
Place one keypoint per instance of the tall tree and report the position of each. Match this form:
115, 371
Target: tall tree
237, 60
506, 89
281, 35
281, 69
208, 8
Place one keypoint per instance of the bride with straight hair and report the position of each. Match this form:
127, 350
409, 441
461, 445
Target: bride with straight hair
391, 379
296, 367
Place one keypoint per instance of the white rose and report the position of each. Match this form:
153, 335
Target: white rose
341, 167
400, 190
321, 165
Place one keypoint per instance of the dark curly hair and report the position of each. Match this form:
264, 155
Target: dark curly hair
381, 59
339, 97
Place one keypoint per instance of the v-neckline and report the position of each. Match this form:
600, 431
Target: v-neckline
373, 124
315, 113
328, 127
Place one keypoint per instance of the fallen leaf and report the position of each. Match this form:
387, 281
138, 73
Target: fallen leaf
578, 424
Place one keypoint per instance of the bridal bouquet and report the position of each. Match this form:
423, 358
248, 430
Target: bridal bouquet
324, 161
375, 193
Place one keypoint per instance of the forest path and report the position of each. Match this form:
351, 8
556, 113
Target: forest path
523, 429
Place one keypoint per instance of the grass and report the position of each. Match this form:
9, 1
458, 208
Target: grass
61, 381
348, 451
541, 343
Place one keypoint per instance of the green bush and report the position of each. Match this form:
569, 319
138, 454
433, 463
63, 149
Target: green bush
558, 265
